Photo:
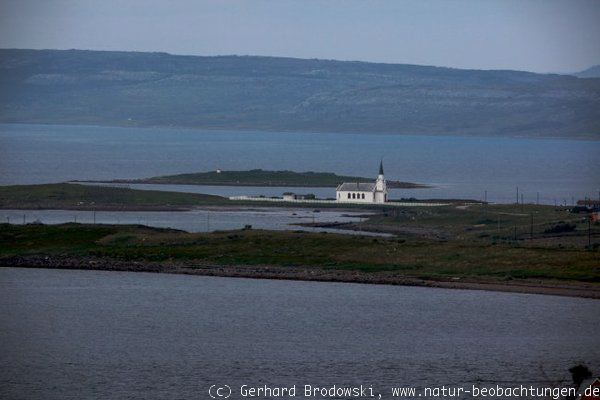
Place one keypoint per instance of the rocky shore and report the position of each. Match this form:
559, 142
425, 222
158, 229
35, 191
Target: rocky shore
570, 289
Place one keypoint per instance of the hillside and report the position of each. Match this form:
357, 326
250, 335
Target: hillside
592, 72
267, 93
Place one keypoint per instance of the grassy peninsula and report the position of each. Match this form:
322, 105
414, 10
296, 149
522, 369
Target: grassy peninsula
525, 248
259, 177
306, 256
68, 196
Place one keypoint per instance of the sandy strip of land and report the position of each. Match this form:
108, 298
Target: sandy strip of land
571, 289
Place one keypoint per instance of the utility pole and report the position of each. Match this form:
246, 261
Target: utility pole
498, 226
517, 195
485, 204
531, 227
590, 232
521, 201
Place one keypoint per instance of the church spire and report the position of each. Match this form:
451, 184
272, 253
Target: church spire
381, 167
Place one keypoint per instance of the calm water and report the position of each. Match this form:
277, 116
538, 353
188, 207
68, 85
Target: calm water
195, 220
87, 334
460, 167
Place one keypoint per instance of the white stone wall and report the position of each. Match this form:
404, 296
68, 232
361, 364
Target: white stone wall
381, 190
380, 197
354, 197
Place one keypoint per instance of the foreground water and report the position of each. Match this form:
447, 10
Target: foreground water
460, 167
88, 334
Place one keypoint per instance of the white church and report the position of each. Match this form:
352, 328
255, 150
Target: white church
355, 192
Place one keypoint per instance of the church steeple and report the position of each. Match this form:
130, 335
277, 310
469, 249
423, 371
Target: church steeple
380, 195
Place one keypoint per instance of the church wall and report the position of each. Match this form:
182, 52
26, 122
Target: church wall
380, 197
342, 197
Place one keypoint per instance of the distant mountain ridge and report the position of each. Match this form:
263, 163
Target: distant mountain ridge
287, 94
592, 72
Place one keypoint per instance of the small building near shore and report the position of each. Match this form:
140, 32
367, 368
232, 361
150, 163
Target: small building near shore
363, 192
287, 196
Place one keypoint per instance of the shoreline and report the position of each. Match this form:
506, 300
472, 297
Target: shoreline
554, 288
236, 205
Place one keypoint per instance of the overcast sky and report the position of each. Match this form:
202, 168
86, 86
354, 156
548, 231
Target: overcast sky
533, 35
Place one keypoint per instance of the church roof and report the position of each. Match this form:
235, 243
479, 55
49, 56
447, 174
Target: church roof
381, 167
356, 187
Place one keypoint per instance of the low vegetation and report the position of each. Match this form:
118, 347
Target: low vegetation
524, 225
462, 241
87, 197
414, 257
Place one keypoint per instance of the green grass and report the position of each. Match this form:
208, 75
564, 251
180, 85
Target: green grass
485, 223
413, 258
74, 196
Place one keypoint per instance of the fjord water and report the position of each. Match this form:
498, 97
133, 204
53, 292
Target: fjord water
91, 334
460, 167
197, 220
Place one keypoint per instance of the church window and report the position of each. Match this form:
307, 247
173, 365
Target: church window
363, 195
349, 195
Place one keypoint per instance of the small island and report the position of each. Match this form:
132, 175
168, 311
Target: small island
260, 177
